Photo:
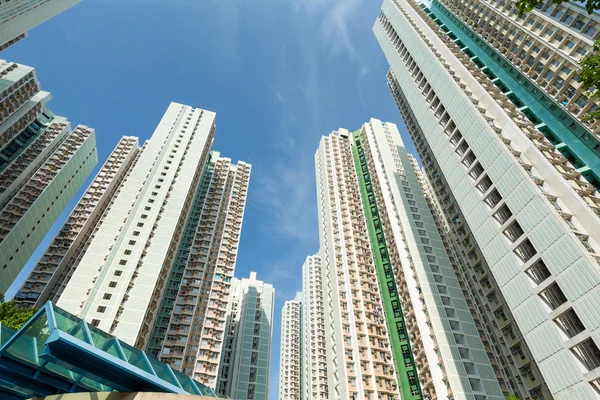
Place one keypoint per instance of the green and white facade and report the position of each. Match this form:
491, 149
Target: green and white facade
43, 162
397, 324
150, 249
17, 17
246, 354
519, 208
118, 282
190, 329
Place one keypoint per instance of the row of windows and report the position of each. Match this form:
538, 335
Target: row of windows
587, 352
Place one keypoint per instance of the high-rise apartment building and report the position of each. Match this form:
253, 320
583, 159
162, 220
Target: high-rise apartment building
149, 251
290, 350
396, 320
190, 327
56, 266
314, 352
119, 280
246, 355
19, 16
545, 46
43, 162
512, 178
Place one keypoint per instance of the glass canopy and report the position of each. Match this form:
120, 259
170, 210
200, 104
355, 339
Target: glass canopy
56, 352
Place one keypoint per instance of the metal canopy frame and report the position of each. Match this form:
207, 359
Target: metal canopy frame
56, 352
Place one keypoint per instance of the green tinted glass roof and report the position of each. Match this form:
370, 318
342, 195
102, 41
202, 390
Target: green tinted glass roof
56, 352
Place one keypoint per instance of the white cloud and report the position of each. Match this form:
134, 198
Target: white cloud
336, 17
279, 97
286, 194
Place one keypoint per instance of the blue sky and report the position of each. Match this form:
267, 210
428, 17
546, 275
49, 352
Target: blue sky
278, 73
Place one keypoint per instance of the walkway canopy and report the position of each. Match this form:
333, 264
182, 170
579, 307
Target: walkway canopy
56, 352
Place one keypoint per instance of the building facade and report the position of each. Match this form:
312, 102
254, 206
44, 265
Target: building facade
43, 162
314, 352
545, 45
56, 266
17, 17
290, 352
190, 328
119, 280
246, 356
149, 251
519, 208
392, 295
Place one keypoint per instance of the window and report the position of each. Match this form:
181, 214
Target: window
124, 262
493, 199
513, 232
140, 224
112, 284
588, 353
590, 31
569, 323
582, 101
503, 214
553, 296
136, 233
95, 322
484, 184
538, 272
144, 216
118, 273
131, 242
469, 159
476, 171
460, 150
147, 208
525, 251
101, 309
107, 296
584, 241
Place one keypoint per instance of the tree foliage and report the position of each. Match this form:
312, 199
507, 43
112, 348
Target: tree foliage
590, 78
512, 396
525, 6
589, 74
11, 316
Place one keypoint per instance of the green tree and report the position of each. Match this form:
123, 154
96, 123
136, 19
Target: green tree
590, 78
525, 6
589, 74
11, 316
512, 396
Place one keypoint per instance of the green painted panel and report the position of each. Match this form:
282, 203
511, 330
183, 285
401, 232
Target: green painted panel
402, 353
